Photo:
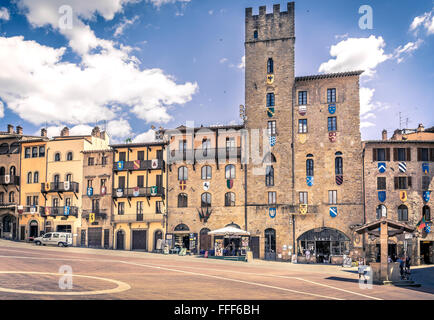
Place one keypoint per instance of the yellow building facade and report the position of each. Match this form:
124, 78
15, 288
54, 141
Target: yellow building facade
33, 173
139, 196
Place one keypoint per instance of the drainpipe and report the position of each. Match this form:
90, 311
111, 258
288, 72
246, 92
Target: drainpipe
364, 199
292, 169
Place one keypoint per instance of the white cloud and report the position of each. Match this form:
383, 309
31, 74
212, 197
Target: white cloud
119, 128
78, 130
407, 49
124, 24
242, 64
425, 21
366, 124
341, 36
159, 3
211, 12
369, 107
356, 54
148, 136
223, 60
2, 110
4, 14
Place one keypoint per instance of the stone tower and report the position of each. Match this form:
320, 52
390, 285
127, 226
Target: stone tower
269, 83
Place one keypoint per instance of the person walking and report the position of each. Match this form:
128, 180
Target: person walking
307, 256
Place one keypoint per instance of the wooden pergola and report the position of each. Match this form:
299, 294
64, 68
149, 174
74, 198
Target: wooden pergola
384, 228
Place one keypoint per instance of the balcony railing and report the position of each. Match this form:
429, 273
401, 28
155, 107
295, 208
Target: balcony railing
60, 211
32, 209
118, 218
99, 213
138, 192
60, 187
156, 164
9, 180
204, 154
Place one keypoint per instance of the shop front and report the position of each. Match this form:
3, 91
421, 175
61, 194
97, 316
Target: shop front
426, 252
323, 245
229, 242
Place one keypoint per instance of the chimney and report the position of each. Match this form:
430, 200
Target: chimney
420, 128
384, 134
43, 132
19, 130
10, 128
96, 133
64, 132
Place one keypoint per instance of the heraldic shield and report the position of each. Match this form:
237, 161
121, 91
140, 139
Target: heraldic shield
333, 211
270, 78
302, 137
426, 195
272, 212
332, 136
382, 196
303, 209
332, 108
339, 179
381, 167
272, 141
425, 168
402, 167
309, 181
403, 196
270, 112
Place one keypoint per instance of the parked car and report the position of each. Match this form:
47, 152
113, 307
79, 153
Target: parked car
60, 239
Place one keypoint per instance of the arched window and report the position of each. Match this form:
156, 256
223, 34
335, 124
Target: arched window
57, 156
29, 177
13, 171
4, 148
230, 171
42, 151
182, 200
255, 34
381, 211
269, 158
269, 176
182, 173
69, 177
11, 197
56, 181
182, 227
34, 152
36, 177
206, 172
339, 169
69, 156
426, 212
15, 147
402, 213
205, 200
270, 99
309, 167
230, 199
270, 65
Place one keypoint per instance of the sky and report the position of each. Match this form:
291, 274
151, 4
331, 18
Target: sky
127, 65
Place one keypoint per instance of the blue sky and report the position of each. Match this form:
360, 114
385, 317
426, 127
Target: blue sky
164, 62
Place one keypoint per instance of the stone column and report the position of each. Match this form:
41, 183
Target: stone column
383, 251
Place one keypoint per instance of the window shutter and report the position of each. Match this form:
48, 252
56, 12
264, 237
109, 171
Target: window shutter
409, 181
396, 183
408, 154
395, 154
387, 154
419, 154
374, 154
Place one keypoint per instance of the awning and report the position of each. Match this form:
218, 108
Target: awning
229, 231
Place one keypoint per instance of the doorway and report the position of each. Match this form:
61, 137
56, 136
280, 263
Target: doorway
322, 251
120, 240
270, 244
205, 240
34, 230
158, 235
426, 252
139, 240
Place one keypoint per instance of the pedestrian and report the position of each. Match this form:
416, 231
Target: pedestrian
307, 255
408, 264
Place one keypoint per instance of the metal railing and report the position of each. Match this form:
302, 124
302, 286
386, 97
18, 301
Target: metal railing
60, 187
138, 192
10, 180
99, 213
60, 211
209, 154
140, 165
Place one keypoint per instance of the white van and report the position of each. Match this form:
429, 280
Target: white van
61, 239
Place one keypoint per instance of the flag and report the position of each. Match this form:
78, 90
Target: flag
422, 223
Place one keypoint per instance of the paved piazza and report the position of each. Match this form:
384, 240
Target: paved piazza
30, 272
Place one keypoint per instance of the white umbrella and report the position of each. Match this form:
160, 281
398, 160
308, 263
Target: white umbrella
229, 231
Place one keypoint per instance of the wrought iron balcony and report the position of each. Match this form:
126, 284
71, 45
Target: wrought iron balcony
60, 187
9, 180
119, 218
156, 164
31, 209
60, 211
99, 214
138, 192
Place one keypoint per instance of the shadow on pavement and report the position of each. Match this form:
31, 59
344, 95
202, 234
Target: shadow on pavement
342, 279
